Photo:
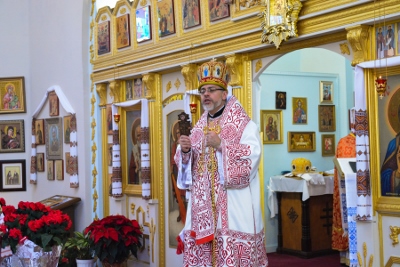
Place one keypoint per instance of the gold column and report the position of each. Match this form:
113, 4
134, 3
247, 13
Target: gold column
153, 92
358, 37
240, 68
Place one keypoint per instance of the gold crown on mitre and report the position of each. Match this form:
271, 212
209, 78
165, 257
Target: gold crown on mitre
213, 72
300, 166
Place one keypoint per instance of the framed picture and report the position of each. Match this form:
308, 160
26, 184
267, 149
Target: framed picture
191, 13
271, 125
103, 38
143, 24
54, 138
326, 118
39, 132
53, 104
175, 198
128, 90
12, 92
276, 12
13, 175
299, 107
59, 169
40, 162
385, 41
67, 129
109, 119
137, 88
301, 141
109, 154
328, 145
326, 92
166, 19
218, 10
123, 31
50, 170
67, 167
280, 100
131, 149
133, 133
12, 136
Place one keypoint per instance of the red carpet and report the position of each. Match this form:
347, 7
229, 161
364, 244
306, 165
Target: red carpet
284, 260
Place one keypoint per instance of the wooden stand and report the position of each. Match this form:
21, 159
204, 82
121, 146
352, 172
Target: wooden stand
304, 227
64, 203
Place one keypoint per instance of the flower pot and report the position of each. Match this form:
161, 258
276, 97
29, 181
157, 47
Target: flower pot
85, 263
41, 258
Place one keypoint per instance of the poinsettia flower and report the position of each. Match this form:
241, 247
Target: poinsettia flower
36, 222
15, 233
3, 229
8, 209
114, 238
2, 201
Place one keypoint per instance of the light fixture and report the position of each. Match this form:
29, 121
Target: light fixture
116, 117
380, 82
380, 86
193, 107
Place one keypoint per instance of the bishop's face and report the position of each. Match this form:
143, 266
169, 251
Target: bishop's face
213, 98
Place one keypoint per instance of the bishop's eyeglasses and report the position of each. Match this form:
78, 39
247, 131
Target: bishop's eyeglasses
202, 91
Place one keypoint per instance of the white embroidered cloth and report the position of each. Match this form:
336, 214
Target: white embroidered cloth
281, 183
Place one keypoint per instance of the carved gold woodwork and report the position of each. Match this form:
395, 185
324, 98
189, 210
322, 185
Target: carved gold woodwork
285, 27
394, 234
115, 90
189, 72
93, 102
172, 98
94, 151
150, 82
93, 126
133, 207
392, 260
249, 3
177, 83
152, 230
365, 254
141, 211
345, 49
168, 86
259, 65
358, 37
94, 174
235, 65
101, 89
91, 30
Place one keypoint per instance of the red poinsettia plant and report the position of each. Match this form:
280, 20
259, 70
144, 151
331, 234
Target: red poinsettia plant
114, 238
38, 223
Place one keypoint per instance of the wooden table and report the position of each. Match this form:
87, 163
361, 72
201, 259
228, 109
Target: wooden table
304, 214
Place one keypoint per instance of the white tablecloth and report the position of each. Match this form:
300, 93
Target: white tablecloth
281, 183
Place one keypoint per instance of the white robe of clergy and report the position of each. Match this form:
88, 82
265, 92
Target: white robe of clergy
224, 202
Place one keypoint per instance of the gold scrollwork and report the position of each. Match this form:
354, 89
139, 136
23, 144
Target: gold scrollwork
279, 21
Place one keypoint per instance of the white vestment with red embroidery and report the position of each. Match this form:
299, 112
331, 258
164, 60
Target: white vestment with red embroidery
239, 230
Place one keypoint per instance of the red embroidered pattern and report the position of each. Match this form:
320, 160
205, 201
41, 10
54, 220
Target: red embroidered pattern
346, 148
233, 249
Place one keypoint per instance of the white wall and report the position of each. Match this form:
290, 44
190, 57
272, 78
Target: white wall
47, 42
